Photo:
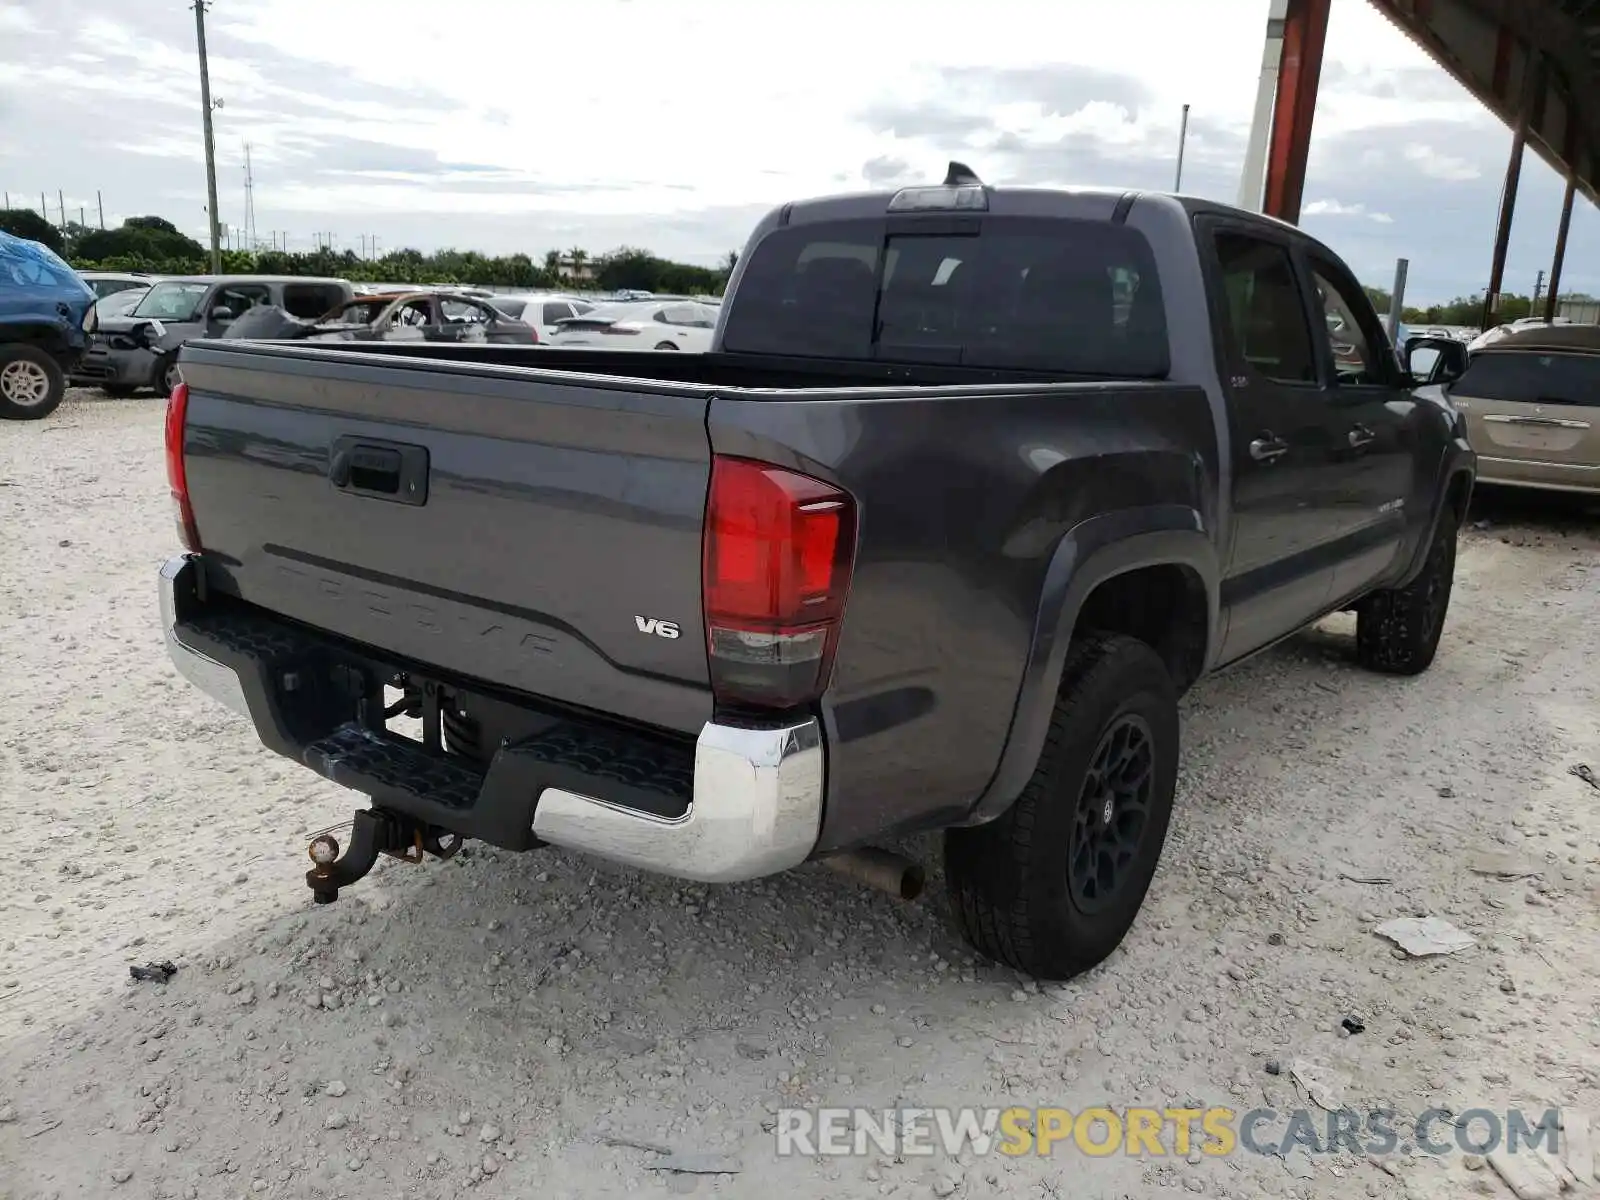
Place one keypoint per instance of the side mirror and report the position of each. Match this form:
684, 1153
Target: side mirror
1434, 359
221, 314
148, 333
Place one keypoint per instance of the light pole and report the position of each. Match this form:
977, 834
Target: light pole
1183, 136
206, 105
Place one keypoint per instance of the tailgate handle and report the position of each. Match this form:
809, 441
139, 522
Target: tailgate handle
381, 470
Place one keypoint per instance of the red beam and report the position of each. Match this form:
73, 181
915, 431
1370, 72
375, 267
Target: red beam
1305, 33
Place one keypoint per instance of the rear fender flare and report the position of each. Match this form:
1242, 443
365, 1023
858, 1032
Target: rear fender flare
1090, 553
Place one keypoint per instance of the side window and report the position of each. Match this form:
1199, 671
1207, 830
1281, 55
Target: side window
239, 298
582, 306
1268, 319
414, 314
1355, 359
309, 300
556, 312
465, 312
680, 314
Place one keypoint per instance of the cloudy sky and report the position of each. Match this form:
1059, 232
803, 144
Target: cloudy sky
505, 125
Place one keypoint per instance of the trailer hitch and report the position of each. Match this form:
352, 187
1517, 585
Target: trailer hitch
374, 831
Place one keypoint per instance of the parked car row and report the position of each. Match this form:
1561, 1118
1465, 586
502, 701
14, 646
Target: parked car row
1528, 391
140, 349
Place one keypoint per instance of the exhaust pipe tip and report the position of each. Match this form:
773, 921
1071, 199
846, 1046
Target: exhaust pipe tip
882, 869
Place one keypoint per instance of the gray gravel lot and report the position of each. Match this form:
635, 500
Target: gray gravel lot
482, 1026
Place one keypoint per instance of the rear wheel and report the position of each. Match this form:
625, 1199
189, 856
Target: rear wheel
665, 346
1053, 886
1398, 630
32, 383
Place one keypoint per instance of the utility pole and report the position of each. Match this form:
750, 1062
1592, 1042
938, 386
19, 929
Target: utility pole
211, 149
1183, 136
249, 201
102, 204
61, 206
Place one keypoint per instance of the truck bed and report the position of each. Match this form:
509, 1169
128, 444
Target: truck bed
565, 497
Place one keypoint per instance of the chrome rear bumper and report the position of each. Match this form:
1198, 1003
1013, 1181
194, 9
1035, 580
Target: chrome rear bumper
755, 808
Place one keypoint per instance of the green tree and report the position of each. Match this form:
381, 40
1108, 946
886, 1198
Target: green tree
149, 238
25, 223
154, 244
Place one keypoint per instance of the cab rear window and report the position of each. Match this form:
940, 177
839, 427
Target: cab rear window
1532, 377
1076, 296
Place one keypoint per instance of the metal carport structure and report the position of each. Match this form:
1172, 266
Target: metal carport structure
1534, 63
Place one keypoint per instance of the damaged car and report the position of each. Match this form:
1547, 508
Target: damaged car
423, 316
140, 350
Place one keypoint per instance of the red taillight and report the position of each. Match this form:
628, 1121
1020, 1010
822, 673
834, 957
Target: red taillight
779, 548
177, 475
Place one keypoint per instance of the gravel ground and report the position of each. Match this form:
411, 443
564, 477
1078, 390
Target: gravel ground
481, 1026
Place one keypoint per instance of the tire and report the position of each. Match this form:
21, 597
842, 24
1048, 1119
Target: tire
32, 383
165, 376
1398, 630
118, 391
665, 346
1017, 885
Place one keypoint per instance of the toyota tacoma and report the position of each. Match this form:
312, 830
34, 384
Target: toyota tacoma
973, 484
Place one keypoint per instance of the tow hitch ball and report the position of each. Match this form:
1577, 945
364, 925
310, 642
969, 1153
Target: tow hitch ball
374, 831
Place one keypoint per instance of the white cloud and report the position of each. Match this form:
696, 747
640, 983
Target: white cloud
1437, 165
507, 125
16, 20
1336, 208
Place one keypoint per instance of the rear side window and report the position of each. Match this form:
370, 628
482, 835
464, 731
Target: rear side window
557, 311
310, 300
1265, 311
1531, 377
1081, 297
511, 308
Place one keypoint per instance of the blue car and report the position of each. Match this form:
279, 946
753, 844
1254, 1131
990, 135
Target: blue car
42, 307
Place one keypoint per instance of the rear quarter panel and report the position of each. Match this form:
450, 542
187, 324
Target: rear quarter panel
964, 495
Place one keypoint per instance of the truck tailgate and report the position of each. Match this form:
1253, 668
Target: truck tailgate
533, 530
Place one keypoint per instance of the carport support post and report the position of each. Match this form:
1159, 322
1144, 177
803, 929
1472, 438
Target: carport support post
1305, 33
1533, 86
1397, 300
1561, 250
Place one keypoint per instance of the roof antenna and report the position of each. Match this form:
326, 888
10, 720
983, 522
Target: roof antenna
961, 175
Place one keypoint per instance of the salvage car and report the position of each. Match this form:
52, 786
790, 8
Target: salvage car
646, 325
544, 312
434, 316
1531, 400
973, 485
109, 283
43, 305
140, 350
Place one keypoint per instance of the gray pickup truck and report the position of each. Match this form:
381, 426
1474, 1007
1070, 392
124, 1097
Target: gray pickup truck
975, 482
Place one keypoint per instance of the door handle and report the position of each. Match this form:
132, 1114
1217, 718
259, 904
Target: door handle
1265, 449
1361, 436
